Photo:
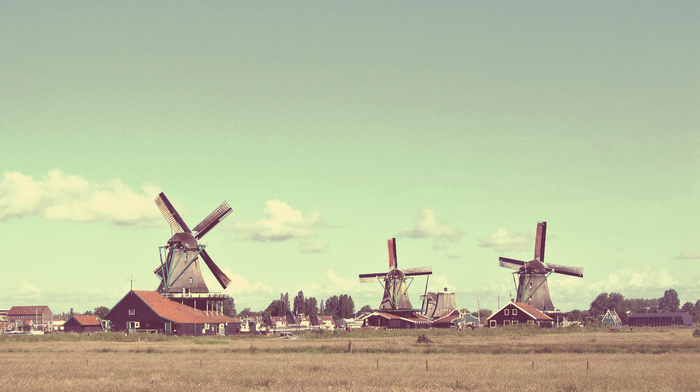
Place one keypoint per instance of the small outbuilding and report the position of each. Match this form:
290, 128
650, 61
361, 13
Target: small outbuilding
611, 319
397, 320
82, 324
514, 313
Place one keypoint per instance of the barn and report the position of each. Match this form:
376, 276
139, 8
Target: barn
659, 319
82, 324
611, 319
514, 313
148, 311
397, 320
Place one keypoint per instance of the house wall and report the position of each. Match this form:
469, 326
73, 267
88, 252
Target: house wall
520, 317
147, 318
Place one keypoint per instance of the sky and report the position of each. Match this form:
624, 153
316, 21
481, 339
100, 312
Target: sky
330, 127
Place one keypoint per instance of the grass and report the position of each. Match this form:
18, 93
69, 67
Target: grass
644, 360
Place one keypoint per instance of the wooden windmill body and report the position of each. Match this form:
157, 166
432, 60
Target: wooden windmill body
530, 277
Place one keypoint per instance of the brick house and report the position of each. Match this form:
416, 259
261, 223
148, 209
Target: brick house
40, 317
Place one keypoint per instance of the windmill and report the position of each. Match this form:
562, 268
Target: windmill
395, 282
531, 286
180, 271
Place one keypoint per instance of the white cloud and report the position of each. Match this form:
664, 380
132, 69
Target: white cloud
281, 222
313, 247
688, 255
503, 241
240, 285
427, 226
58, 196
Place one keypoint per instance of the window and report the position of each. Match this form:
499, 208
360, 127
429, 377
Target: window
515, 322
506, 312
137, 324
132, 312
515, 311
530, 321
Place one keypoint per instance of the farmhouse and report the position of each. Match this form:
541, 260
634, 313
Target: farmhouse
149, 311
611, 319
451, 320
81, 324
519, 313
326, 322
659, 319
40, 317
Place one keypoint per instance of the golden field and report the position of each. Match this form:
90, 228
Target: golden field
522, 359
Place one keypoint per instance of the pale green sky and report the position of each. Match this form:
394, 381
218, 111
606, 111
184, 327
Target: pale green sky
332, 126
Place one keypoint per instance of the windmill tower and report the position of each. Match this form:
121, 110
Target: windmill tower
395, 282
531, 283
180, 270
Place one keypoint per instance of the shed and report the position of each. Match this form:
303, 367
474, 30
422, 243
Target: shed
81, 324
611, 319
659, 319
514, 313
398, 320
148, 311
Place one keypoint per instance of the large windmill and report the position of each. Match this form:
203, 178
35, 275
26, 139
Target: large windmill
180, 272
395, 282
531, 285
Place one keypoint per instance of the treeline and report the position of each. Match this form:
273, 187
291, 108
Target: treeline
625, 306
338, 306
99, 311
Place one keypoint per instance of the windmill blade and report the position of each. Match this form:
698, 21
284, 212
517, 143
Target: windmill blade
218, 273
565, 270
392, 253
418, 271
208, 223
374, 275
510, 263
171, 215
368, 279
539, 240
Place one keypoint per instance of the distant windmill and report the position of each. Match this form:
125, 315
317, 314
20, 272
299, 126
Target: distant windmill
395, 282
180, 270
531, 285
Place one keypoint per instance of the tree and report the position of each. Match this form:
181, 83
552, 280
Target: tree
483, 315
229, 307
245, 313
312, 310
101, 311
347, 306
599, 305
669, 302
300, 303
365, 309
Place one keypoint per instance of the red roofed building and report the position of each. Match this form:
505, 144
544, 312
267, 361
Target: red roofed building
149, 311
514, 313
80, 324
40, 317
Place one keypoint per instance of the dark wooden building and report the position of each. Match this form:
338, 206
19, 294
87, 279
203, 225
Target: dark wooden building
659, 319
82, 324
397, 320
514, 313
149, 311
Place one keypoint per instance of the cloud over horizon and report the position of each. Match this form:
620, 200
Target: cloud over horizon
281, 222
503, 241
58, 196
427, 226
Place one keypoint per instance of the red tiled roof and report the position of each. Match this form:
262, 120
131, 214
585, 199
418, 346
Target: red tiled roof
26, 310
87, 320
179, 313
532, 311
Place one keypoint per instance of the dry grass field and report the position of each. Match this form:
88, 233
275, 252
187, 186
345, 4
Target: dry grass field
516, 359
